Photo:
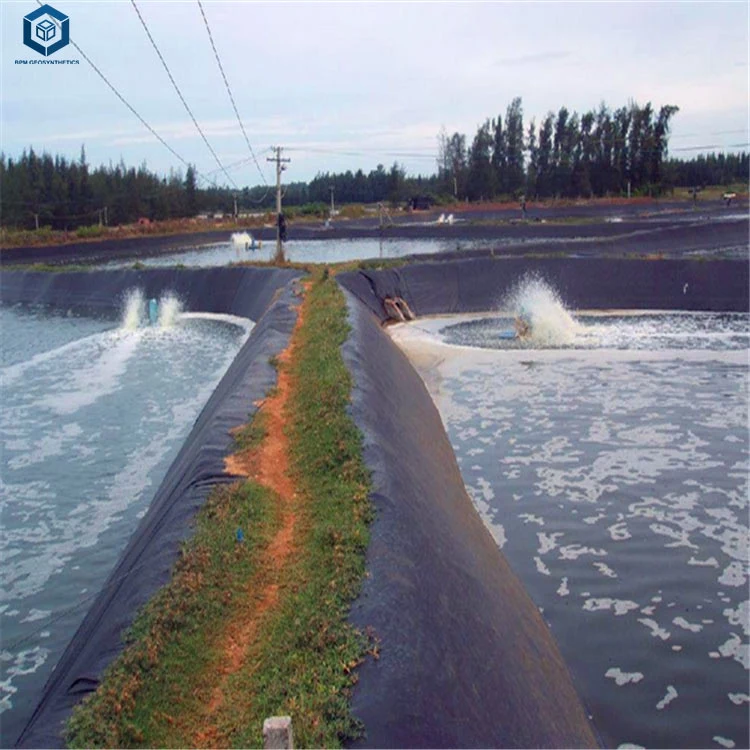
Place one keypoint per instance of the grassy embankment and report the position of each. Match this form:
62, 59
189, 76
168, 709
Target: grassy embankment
172, 686
45, 236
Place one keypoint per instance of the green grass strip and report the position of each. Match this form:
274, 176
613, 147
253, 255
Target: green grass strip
173, 637
306, 664
303, 662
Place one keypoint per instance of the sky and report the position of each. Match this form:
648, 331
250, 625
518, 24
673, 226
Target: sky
344, 85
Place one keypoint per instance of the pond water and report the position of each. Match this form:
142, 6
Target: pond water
94, 412
302, 251
608, 456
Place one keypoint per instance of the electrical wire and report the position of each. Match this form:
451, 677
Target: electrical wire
132, 109
712, 145
179, 93
229, 91
245, 161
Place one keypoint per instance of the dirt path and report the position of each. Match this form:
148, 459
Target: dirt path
268, 464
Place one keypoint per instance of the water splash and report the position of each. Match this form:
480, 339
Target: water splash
135, 306
170, 308
551, 323
243, 240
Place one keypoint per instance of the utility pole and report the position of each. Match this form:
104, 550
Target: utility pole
235, 207
280, 224
332, 189
106, 220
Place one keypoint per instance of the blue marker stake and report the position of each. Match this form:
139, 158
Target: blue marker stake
153, 311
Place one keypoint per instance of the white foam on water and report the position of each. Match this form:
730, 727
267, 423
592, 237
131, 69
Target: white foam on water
133, 310
24, 663
739, 616
667, 699
98, 375
551, 323
245, 324
735, 649
541, 567
723, 741
620, 607
605, 570
681, 622
656, 630
8, 375
623, 678
170, 307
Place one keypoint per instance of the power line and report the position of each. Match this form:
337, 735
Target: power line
717, 132
711, 145
229, 91
179, 93
130, 106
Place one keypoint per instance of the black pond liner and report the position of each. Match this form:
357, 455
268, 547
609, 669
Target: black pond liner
263, 295
465, 658
645, 228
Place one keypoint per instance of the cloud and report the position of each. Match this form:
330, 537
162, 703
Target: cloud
535, 58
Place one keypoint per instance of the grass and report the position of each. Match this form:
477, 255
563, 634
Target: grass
45, 236
306, 665
250, 436
304, 657
175, 635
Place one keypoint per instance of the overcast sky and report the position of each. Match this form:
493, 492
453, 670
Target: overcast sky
349, 85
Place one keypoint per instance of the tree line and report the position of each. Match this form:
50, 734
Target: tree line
567, 155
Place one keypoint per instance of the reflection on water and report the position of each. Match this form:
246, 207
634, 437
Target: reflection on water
616, 482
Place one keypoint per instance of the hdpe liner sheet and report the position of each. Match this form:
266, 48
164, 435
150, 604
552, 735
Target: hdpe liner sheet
465, 658
246, 292
146, 563
479, 284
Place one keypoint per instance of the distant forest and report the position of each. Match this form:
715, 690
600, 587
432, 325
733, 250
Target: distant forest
567, 155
